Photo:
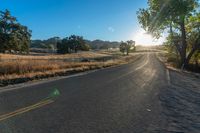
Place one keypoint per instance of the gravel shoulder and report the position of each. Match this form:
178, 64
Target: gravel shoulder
181, 102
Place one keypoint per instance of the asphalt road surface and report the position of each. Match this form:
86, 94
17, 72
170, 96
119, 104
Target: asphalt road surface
122, 99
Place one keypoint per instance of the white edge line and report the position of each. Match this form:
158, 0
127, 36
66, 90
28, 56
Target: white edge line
168, 77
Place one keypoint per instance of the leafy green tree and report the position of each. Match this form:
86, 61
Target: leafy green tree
76, 42
125, 47
193, 35
85, 47
63, 47
72, 44
132, 46
13, 35
171, 15
122, 47
60, 48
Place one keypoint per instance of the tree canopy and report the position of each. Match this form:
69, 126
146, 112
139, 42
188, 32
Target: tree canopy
172, 16
126, 47
13, 36
72, 44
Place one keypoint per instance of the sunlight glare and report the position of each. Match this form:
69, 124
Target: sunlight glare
142, 38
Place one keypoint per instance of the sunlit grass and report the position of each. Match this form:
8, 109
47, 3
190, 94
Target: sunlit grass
17, 66
47, 57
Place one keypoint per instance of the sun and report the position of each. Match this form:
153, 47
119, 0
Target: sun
142, 38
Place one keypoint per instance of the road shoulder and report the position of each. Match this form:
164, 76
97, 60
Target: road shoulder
180, 101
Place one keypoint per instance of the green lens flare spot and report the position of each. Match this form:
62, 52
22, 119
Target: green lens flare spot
55, 93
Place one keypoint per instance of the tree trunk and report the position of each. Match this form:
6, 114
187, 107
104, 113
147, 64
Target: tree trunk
173, 41
178, 50
195, 47
184, 62
189, 57
127, 52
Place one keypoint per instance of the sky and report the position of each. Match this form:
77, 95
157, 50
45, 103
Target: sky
111, 20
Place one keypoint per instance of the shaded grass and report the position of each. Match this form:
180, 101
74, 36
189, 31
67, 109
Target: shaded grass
172, 61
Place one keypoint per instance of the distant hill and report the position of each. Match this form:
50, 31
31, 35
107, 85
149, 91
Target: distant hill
45, 44
100, 44
51, 43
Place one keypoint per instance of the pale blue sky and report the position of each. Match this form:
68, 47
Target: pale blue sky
113, 20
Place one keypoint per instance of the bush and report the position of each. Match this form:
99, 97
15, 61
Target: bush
173, 60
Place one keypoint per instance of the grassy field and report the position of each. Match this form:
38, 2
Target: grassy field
21, 68
52, 56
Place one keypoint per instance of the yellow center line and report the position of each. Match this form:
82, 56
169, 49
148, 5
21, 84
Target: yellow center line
25, 109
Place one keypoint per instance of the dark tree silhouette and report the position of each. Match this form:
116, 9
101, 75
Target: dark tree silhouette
72, 44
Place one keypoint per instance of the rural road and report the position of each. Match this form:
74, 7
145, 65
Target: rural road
123, 99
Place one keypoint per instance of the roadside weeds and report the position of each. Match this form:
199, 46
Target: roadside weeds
163, 59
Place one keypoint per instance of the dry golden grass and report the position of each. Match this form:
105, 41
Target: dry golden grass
15, 66
18, 69
20, 64
26, 66
52, 57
